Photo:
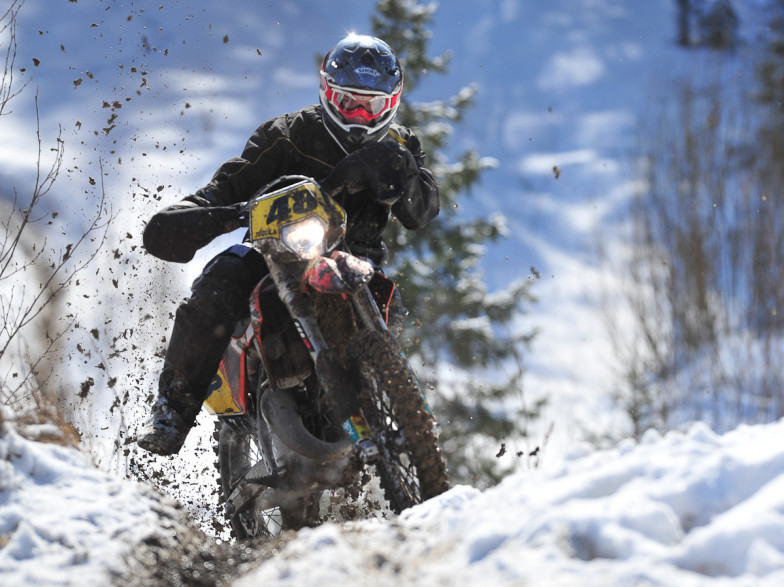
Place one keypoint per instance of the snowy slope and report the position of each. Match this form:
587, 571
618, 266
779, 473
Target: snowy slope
686, 509
64, 522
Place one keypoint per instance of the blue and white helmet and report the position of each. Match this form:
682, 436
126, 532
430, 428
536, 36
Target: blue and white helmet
361, 84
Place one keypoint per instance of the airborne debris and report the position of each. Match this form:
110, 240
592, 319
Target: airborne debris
84, 388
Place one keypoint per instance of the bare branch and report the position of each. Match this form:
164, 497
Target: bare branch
27, 384
40, 279
8, 24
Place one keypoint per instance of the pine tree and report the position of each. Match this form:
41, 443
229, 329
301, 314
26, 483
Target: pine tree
454, 319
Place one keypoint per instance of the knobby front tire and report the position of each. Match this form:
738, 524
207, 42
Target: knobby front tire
410, 467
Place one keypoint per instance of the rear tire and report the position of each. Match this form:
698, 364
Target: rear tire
238, 450
267, 511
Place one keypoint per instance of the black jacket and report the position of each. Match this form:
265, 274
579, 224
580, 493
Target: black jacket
297, 143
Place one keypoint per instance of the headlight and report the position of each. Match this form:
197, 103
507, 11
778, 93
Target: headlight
306, 238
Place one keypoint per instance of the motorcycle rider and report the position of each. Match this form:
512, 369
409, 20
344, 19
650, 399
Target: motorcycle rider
348, 142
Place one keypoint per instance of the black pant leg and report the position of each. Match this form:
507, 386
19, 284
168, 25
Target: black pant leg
205, 321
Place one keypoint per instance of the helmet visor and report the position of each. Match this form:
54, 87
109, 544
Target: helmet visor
360, 107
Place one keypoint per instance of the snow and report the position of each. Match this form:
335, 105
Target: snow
62, 521
570, 88
692, 508
683, 509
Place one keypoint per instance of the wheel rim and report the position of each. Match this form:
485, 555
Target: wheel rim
242, 450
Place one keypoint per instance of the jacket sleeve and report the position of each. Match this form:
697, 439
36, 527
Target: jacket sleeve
420, 201
178, 231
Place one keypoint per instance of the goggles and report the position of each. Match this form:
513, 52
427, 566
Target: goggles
360, 107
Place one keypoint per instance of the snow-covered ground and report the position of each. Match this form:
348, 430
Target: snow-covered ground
63, 521
686, 509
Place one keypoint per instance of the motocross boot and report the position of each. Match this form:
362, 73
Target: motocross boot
173, 415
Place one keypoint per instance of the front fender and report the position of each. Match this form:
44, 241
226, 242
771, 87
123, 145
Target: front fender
340, 273
280, 411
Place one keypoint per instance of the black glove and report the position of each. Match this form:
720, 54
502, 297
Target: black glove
382, 169
177, 232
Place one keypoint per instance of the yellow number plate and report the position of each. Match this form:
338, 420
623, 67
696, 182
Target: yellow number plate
271, 213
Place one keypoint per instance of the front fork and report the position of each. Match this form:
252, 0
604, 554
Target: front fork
294, 297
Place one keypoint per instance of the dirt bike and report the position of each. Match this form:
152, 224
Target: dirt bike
314, 391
